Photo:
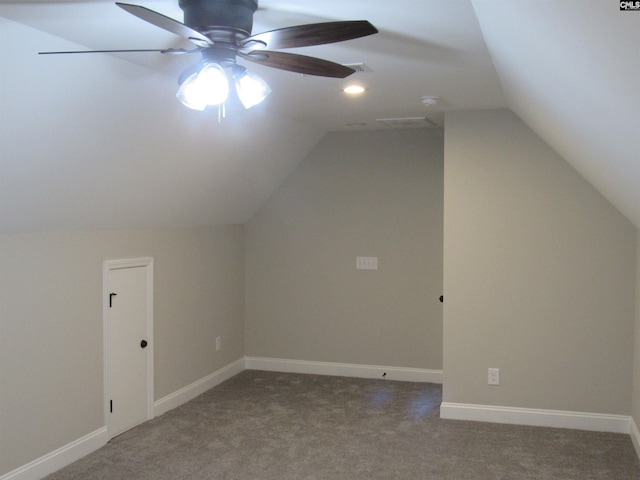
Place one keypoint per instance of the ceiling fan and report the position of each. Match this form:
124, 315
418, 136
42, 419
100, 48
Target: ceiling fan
220, 31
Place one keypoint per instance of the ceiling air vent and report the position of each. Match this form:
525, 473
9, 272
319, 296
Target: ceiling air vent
407, 122
359, 67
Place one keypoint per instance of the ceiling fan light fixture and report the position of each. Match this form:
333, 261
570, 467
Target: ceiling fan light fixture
188, 96
221, 30
250, 87
208, 86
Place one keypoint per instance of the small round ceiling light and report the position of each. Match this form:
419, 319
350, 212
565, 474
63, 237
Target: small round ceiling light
354, 90
430, 100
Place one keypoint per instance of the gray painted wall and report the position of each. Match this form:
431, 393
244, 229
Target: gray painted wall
539, 275
357, 194
540, 282
51, 341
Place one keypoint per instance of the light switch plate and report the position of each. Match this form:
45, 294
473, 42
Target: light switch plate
494, 376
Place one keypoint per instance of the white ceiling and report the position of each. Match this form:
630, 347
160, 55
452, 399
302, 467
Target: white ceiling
99, 141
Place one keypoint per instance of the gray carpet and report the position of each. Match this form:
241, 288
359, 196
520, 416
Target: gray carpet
263, 425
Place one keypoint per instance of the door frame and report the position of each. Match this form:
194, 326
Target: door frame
109, 265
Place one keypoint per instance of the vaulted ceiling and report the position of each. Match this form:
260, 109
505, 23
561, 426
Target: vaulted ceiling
99, 141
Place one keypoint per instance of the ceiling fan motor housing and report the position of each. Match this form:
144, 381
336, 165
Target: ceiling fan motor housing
210, 16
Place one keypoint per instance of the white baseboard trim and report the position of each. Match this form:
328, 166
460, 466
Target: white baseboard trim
344, 369
77, 449
536, 417
63, 456
198, 387
635, 435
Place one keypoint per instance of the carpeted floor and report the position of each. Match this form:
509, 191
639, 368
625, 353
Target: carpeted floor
277, 426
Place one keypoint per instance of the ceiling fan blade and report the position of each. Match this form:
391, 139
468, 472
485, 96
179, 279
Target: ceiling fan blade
168, 51
166, 23
311, 34
298, 63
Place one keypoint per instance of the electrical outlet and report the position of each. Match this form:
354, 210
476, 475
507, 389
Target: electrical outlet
494, 376
218, 343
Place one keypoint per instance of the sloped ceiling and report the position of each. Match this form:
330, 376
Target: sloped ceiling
99, 141
571, 71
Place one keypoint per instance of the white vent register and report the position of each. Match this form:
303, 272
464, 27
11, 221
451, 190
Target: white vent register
367, 263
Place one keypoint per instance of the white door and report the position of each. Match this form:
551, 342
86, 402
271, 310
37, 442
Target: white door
128, 343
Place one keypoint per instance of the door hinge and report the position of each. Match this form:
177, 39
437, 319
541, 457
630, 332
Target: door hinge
110, 406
